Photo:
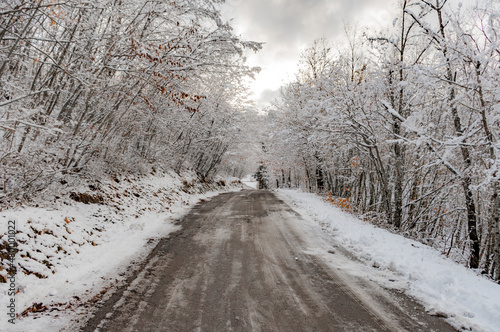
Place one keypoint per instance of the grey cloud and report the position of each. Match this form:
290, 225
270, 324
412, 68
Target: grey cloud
286, 26
283, 22
289, 22
267, 96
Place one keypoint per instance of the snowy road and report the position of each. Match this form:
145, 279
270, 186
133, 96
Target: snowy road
243, 262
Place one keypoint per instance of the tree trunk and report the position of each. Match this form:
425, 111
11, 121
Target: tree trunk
466, 179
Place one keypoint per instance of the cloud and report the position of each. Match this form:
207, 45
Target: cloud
267, 96
287, 22
289, 26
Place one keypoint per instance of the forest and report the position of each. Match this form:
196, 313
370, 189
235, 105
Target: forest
89, 88
401, 127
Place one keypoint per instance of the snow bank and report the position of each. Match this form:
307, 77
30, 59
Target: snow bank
444, 287
69, 252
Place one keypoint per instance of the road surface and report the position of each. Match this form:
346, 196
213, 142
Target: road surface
243, 262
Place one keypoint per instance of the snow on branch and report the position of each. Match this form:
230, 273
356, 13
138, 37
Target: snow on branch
393, 112
25, 96
29, 124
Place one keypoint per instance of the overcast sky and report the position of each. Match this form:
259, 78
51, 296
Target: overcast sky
289, 26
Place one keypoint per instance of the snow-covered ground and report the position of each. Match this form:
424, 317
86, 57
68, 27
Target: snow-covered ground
69, 251
250, 181
80, 249
470, 301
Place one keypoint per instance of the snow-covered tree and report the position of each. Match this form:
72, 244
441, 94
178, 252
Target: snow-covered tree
404, 126
115, 85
